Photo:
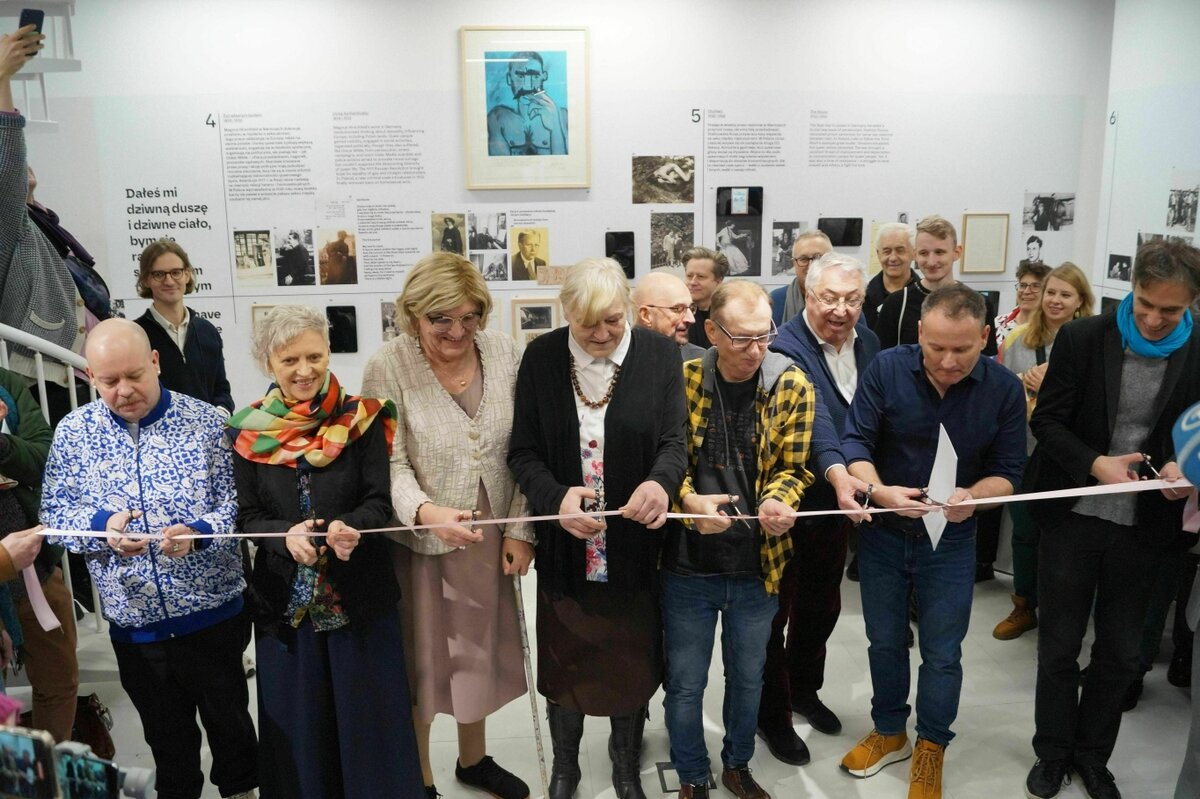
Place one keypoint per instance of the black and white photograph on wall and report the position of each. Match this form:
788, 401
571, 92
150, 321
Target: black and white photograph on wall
783, 236
449, 233
252, 258
1045, 210
740, 239
618, 245
492, 265
664, 179
671, 235
1035, 246
531, 249
337, 256
294, 262
343, 328
1119, 267
388, 325
492, 234
1181, 203
1146, 238
531, 317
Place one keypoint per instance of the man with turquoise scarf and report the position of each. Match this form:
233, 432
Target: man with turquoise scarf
1114, 387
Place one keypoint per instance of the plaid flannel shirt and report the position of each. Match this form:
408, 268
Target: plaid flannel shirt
785, 407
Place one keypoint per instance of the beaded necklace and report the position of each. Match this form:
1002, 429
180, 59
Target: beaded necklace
612, 384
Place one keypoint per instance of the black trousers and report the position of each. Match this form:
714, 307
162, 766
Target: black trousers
169, 682
1083, 559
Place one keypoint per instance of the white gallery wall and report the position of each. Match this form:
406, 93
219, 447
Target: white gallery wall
981, 102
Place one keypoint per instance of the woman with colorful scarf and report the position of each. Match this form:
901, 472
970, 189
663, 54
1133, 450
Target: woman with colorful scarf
334, 712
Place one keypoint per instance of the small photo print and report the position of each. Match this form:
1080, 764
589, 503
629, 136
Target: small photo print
343, 328
1034, 251
1119, 267
531, 249
783, 236
492, 265
257, 314
338, 256
448, 232
1182, 201
294, 262
252, 258
1048, 210
1146, 238
536, 317
493, 235
388, 323
671, 235
533, 317
664, 179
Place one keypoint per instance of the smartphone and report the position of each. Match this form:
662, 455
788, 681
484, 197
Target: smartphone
27, 764
83, 777
32, 16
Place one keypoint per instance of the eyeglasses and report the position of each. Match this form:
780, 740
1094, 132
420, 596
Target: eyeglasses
679, 309
832, 303
159, 276
744, 342
805, 260
1021, 287
442, 323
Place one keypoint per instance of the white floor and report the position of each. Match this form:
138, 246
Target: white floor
989, 758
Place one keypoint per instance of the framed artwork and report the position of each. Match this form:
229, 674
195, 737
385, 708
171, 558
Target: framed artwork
525, 107
257, 314
533, 316
985, 243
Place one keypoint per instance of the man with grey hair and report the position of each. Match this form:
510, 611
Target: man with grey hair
894, 248
787, 301
827, 343
148, 468
663, 304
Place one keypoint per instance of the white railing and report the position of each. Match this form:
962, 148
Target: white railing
43, 349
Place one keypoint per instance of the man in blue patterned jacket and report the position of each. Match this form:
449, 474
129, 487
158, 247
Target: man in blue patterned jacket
148, 466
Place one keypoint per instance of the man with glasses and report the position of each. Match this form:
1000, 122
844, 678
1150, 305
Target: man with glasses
894, 248
826, 342
891, 438
787, 301
750, 420
703, 269
664, 305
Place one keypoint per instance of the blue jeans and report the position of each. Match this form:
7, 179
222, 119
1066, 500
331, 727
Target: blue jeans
690, 605
889, 562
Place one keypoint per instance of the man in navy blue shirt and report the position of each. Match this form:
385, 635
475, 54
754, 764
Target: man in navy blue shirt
890, 442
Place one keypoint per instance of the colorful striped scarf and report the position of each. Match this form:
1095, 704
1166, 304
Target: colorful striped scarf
279, 431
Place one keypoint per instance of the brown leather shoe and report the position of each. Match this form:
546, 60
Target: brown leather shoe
1022, 619
693, 791
739, 783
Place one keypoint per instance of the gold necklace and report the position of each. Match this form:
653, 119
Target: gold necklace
462, 378
612, 384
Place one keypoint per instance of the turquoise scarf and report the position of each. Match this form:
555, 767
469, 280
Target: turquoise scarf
1132, 338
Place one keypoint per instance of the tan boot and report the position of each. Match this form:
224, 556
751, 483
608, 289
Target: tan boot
925, 778
1022, 619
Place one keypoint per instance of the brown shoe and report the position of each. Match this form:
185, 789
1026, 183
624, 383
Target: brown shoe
925, 779
693, 791
739, 783
1022, 619
874, 752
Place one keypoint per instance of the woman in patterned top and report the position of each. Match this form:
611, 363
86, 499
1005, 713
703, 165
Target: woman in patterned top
599, 424
452, 381
334, 713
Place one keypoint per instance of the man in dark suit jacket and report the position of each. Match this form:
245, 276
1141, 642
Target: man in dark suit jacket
525, 263
1115, 385
828, 342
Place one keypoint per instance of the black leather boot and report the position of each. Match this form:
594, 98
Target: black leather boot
566, 730
625, 750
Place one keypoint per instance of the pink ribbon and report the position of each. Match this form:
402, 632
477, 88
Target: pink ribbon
37, 599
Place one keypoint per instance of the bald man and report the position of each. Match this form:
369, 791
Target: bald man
148, 466
664, 305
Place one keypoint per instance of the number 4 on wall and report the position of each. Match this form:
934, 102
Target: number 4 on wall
210, 121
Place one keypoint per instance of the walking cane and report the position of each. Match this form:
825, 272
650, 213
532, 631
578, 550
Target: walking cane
537, 725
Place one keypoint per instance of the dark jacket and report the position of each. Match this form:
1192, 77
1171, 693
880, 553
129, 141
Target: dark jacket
798, 343
1076, 412
900, 313
198, 371
644, 440
23, 458
356, 489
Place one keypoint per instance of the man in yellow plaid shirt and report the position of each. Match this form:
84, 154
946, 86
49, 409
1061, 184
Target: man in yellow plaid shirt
750, 418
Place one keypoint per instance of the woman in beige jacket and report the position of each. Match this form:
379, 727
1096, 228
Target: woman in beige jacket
452, 380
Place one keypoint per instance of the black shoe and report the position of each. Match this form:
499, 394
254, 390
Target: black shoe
852, 569
693, 791
625, 752
820, 717
1046, 778
1179, 673
787, 746
984, 572
488, 776
739, 782
566, 730
431, 792
1098, 782
1132, 694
